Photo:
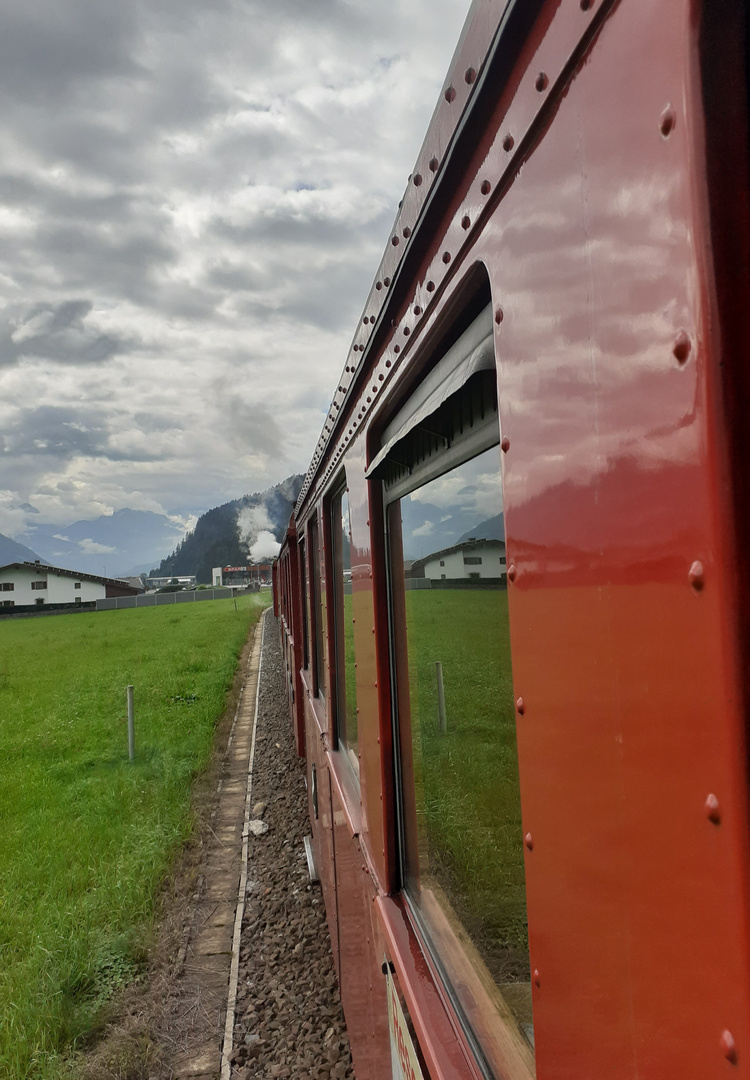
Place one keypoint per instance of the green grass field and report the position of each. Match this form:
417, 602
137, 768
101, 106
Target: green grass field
87, 838
468, 801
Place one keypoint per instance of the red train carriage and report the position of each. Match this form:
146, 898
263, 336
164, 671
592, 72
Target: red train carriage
514, 592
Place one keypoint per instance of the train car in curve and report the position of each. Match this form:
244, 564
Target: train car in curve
513, 595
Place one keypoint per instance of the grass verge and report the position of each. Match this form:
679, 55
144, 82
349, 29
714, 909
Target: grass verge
88, 837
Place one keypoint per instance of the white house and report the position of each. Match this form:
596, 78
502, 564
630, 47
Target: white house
471, 559
32, 584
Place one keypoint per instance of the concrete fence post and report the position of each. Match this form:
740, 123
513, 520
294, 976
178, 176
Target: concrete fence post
442, 718
131, 724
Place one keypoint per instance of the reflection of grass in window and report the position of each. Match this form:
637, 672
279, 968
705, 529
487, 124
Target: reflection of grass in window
468, 801
350, 673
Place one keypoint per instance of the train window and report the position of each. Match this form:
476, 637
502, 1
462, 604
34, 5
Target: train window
305, 616
346, 686
460, 809
317, 612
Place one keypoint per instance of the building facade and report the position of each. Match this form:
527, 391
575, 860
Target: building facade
253, 574
33, 584
471, 559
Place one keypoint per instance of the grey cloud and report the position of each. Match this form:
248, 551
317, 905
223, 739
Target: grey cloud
55, 432
347, 282
94, 147
283, 225
64, 432
48, 49
45, 199
129, 244
152, 422
236, 278
251, 427
116, 259
54, 331
114, 241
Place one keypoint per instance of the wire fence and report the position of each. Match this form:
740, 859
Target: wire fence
112, 603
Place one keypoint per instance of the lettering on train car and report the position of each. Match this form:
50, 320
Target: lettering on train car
403, 1058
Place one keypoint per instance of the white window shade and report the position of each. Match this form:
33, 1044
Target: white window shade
451, 416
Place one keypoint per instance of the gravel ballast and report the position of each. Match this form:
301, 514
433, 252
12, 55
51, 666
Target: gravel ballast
288, 1017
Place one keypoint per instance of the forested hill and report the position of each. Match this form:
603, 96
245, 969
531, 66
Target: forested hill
244, 530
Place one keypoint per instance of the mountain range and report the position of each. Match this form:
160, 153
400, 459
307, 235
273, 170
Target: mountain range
426, 528
235, 533
135, 541
125, 542
12, 551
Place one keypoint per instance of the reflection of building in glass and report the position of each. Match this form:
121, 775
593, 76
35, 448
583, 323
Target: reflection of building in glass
471, 559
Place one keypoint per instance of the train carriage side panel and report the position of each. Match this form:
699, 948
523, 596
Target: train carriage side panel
312, 680
296, 657
594, 217
623, 573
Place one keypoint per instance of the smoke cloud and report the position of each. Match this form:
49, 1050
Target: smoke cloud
256, 536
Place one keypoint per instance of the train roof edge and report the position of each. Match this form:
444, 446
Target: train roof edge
462, 87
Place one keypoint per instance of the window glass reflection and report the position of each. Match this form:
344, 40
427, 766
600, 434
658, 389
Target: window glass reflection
346, 686
317, 603
463, 858
305, 614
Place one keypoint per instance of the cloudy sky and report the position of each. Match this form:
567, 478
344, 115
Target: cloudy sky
194, 197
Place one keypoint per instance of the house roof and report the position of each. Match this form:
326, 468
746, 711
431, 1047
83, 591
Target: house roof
467, 545
41, 567
136, 581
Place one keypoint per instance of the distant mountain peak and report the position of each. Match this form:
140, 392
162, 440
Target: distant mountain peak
11, 551
491, 529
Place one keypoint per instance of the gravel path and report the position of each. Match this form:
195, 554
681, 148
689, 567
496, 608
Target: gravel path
289, 1021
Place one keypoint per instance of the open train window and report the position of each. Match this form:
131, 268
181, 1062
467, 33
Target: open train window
345, 675
459, 797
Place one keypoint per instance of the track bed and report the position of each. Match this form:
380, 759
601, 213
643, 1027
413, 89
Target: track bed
289, 1021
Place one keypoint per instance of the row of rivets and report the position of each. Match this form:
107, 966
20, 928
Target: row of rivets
682, 344
541, 83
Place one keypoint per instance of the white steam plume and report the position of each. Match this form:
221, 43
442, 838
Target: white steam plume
256, 537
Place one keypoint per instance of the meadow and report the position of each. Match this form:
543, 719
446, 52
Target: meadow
468, 798
87, 836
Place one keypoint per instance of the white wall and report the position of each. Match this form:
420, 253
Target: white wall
454, 567
60, 587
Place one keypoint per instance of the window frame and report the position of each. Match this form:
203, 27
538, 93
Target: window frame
487, 1014
303, 567
339, 490
317, 627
